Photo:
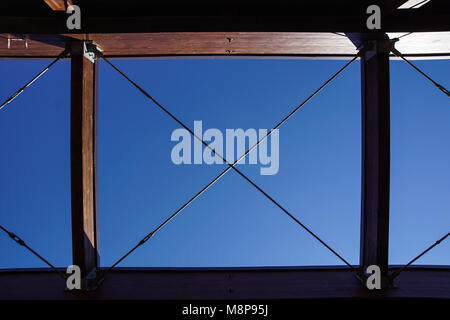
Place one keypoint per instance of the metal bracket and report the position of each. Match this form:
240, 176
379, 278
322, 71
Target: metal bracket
91, 280
91, 51
372, 47
17, 39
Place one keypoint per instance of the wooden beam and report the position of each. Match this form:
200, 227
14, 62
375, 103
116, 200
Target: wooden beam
83, 162
58, 5
226, 284
306, 44
142, 28
375, 153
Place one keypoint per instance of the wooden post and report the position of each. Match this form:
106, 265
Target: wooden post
83, 163
375, 155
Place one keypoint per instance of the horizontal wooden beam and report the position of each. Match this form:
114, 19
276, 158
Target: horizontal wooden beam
140, 28
310, 44
228, 283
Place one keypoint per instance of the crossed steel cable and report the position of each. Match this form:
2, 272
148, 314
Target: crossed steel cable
230, 165
19, 241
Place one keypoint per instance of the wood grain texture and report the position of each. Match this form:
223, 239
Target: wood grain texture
219, 43
82, 154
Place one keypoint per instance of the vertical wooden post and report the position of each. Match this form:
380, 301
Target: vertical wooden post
375, 155
83, 163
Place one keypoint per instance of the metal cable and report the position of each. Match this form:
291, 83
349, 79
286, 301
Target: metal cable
340, 34
16, 94
396, 273
19, 241
403, 35
440, 87
417, 4
230, 166
13, 236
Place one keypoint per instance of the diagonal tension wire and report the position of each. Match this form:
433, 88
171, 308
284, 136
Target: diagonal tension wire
16, 94
230, 166
440, 87
147, 237
19, 241
396, 273
402, 36
13, 236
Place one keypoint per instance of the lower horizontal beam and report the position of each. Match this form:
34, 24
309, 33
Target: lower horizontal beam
223, 284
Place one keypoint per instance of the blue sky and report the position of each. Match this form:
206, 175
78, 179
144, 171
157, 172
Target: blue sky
232, 224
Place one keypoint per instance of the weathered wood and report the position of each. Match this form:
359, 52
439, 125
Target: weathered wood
83, 161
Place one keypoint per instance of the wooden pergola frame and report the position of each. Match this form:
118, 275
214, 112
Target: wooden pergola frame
308, 35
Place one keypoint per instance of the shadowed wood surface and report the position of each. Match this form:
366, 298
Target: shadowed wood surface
159, 28
231, 283
375, 148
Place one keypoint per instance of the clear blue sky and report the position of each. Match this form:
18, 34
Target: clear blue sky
232, 224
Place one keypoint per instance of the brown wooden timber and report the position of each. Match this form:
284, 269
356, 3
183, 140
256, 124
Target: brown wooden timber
191, 43
219, 43
83, 160
58, 5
